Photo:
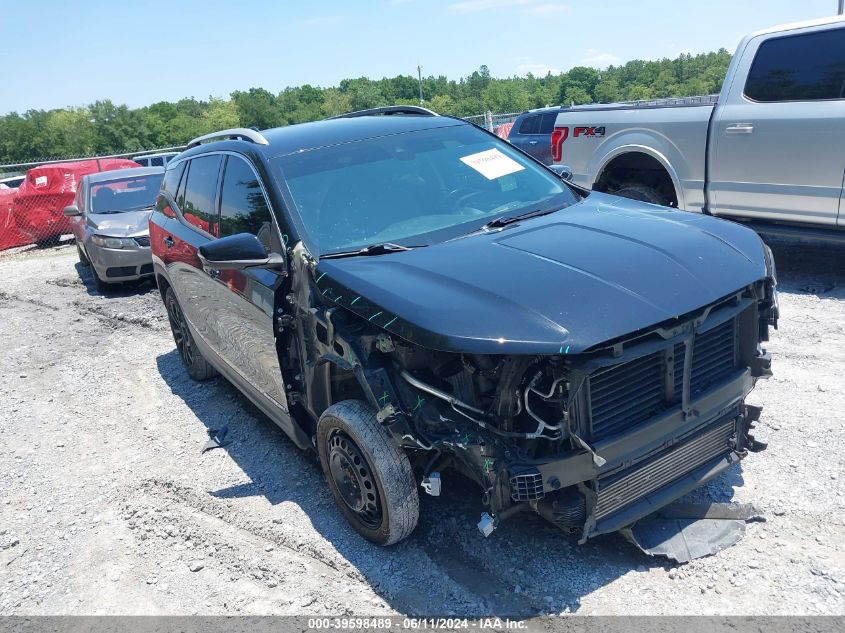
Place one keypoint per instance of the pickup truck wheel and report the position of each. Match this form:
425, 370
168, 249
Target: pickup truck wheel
368, 473
198, 368
643, 193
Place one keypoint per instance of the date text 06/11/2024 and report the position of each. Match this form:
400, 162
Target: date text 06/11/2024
386, 623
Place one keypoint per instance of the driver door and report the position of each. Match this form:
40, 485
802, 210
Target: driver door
244, 299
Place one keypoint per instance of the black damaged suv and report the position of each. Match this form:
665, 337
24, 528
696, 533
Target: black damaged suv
409, 295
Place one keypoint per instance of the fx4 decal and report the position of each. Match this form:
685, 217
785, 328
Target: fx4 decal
588, 131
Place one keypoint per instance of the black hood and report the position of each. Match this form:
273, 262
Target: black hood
562, 283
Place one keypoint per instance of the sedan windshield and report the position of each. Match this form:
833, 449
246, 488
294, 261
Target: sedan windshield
414, 188
125, 194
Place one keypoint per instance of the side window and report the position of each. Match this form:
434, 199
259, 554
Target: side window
198, 202
529, 124
78, 199
807, 67
243, 208
169, 185
158, 161
547, 123
171, 179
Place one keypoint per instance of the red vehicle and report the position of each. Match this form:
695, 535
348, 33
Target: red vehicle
10, 235
47, 190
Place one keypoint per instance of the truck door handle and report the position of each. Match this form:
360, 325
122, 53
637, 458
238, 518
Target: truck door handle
740, 128
533, 142
168, 242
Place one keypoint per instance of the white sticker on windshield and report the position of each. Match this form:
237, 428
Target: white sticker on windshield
492, 164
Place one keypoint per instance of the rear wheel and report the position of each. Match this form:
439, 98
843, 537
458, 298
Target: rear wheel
643, 193
198, 368
368, 473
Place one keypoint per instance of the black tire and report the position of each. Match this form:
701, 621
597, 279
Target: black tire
368, 473
82, 258
198, 368
643, 193
99, 285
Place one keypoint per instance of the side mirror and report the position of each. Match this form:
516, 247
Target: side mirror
71, 211
238, 252
562, 170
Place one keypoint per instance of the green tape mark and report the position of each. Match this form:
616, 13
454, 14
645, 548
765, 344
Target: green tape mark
354, 300
560, 351
391, 321
285, 239
320, 277
384, 398
466, 439
488, 464
419, 404
326, 290
337, 299
374, 316
567, 350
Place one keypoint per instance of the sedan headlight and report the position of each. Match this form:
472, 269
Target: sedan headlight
114, 242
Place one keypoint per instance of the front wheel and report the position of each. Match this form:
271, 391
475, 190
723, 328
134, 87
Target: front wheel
82, 258
99, 285
643, 193
198, 368
368, 473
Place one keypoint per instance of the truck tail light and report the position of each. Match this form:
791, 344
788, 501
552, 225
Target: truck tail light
559, 135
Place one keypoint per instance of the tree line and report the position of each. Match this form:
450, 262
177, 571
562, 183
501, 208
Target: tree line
103, 127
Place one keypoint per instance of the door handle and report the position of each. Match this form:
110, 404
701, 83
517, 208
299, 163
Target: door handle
168, 242
740, 128
533, 142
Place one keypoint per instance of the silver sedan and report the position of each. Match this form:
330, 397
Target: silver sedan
110, 220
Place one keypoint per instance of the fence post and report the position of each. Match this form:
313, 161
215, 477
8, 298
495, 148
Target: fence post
488, 120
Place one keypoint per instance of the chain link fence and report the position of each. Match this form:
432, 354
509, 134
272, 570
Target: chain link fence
34, 194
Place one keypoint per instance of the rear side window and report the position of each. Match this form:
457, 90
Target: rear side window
530, 124
198, 203
171, 179
808, 67
243, 208
157, 162
169, 185
547, 123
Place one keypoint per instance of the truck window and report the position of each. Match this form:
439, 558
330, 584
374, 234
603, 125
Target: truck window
547, 123
243, 208
529, 124
807, 67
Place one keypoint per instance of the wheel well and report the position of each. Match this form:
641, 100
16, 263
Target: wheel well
637, 168
162, 285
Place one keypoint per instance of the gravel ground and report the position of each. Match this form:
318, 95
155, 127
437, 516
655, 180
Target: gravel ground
107, 505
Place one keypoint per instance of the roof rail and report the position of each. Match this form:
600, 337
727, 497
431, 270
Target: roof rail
395, 109
242, 133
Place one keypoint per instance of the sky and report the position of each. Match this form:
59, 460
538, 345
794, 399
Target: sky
56, 53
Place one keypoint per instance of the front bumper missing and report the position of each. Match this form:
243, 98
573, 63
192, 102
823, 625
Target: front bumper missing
652, 466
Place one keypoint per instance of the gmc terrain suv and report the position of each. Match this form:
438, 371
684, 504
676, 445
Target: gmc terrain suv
409, 295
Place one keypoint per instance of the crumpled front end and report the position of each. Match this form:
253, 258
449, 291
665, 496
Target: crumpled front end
595, 441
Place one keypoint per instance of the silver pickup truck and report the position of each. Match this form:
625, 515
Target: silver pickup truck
768, 150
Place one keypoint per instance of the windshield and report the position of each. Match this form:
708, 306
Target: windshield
126, 194
415, 188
